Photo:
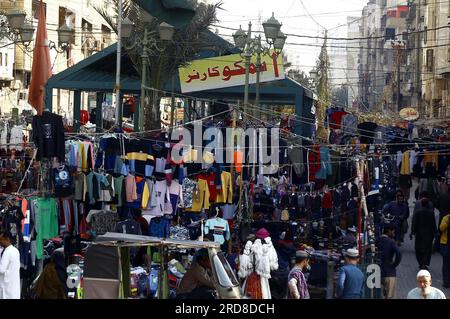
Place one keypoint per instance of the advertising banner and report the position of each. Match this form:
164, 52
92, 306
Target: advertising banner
228, 71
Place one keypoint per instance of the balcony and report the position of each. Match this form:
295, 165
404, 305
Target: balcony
444, 72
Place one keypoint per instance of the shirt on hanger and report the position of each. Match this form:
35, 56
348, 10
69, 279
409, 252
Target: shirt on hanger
225, 195
201, 201
219, 228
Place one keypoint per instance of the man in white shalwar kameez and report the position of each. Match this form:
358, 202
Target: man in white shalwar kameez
9, 268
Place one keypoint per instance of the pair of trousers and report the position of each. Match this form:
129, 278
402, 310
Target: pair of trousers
423, 257
446, 265
389, 287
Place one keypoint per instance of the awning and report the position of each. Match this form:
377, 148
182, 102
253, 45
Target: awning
178, 13
126, 240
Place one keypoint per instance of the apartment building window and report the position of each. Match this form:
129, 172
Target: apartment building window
1, 59
448, 54
6, 59
35, 9
430, 60
425, 35
87, 30
106, 36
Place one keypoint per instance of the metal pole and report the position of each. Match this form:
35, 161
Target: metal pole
118, 62
258, 69
172, 109
248, 56
144, 58
398, 78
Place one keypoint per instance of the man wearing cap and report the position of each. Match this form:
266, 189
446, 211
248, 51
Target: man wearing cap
350, 282
298, 288
424, 289
349, 239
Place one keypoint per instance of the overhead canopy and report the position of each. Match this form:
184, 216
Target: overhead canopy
178, 13
126, 240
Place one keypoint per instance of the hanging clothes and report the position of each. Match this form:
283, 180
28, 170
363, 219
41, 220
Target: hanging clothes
314, 164
405, 168
225, 195
48, 136
219, 228
325, 165
201, 199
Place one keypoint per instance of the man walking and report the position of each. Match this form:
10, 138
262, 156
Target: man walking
424, 229
390, 259
445, 249
399, 209
424, 289
350, 283
298, 288
9, 268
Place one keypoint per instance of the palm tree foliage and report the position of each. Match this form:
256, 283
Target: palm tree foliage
186, 45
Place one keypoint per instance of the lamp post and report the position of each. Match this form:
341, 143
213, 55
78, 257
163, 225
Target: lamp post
19, 30
274, 38
243, 41
148, 45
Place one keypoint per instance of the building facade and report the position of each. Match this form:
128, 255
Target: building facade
436, 59
92, 34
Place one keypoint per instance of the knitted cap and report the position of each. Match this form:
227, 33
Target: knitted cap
423, 273
262, 233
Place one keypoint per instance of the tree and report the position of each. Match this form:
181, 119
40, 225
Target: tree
186, 45
300, 77
340, 96
323, 89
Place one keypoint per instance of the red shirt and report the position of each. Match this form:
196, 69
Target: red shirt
336, 119
327, 200
211, 181
313, 162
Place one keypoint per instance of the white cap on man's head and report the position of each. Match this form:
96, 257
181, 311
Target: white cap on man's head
423, 273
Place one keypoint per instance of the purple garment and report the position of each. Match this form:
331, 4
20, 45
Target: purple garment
302, 286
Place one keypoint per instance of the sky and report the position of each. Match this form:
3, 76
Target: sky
330, 14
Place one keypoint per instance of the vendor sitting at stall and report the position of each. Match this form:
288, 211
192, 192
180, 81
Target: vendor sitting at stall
197, 283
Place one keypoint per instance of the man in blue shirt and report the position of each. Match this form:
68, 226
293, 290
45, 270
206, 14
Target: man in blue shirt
350, 283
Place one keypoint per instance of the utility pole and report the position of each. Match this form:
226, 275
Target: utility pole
248, 56
398, 46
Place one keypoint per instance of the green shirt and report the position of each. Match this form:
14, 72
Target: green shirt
46, 222
118, 182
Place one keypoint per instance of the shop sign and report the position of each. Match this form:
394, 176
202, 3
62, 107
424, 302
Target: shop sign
409, 114
228, 71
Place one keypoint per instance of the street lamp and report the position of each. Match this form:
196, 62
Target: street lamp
274, 38
16, 19
243, 41
21, 31
147, 44
271, 28
65, 35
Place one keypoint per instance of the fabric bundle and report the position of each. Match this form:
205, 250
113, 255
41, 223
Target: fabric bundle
263, 266
245, 262
273, 257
